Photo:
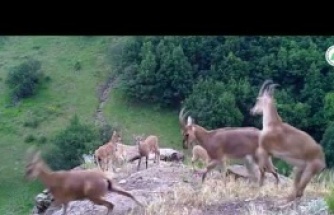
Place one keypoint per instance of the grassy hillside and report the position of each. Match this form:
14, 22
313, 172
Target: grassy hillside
142, 119
68, 92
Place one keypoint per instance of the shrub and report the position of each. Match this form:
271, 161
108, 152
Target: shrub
330, 201
30, 138
23, 80
212, 105
70, 144
32, 123
328, 144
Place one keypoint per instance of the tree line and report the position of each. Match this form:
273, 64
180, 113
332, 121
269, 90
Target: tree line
218, 77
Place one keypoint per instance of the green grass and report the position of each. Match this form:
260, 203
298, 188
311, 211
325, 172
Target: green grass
68, 92
140, 119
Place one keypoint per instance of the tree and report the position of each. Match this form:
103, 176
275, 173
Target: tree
70, 144
328, 144
24, 79
212, 106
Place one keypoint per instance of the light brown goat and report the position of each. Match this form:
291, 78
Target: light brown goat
199, 153
105, 153
73, 185
286, 142
145, 147
222, 143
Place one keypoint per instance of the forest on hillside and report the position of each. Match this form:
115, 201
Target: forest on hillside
217, 78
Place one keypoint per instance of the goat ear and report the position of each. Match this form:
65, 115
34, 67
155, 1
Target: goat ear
193, 128
36, 157
30, 153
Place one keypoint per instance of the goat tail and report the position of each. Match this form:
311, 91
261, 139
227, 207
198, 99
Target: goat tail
134, 158
119, 190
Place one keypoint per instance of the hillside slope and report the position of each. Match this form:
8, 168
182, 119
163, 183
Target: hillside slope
172, 189
69, 92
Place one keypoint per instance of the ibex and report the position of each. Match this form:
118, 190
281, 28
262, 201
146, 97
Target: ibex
199, 153
145, 147
104, 153
121, 153
73, 185
282, 140
228, 142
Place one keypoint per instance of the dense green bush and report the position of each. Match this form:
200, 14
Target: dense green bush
164, 70
212, 105
328, 144
329, 198
23, 80
70, 144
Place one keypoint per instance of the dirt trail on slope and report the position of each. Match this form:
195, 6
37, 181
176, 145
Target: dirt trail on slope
102, 94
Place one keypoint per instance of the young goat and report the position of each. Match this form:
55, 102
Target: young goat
286, 142
229, 142
199, 153
120, 154
106, 152
73, 185
145, 147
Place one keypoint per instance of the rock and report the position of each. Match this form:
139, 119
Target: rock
122, 181
171, 155
196, 212
42, 201
166, 154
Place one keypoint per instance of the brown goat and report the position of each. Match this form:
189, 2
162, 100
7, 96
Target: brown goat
286, 142
199, 153
73, 185
145, 147
222, 143
106, 152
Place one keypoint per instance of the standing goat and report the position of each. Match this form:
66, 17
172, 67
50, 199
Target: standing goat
73, 185
222, 143
106, 152
145, 147
199, 153
281, 140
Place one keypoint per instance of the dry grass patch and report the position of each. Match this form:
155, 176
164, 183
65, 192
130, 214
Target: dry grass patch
215, 193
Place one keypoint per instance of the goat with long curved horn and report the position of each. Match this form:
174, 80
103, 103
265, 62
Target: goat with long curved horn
271, 89
182, 115
264, 86
281, 140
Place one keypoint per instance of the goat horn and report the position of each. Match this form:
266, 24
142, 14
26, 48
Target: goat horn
189, 120
32, 155
271, 89
181, 117
264, 86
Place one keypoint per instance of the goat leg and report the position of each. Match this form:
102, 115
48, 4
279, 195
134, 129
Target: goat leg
209, 167
139, 161
158, 156
261, 156
271, 169
65, 208
146, 161
249, 163
100, 201
310, 170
